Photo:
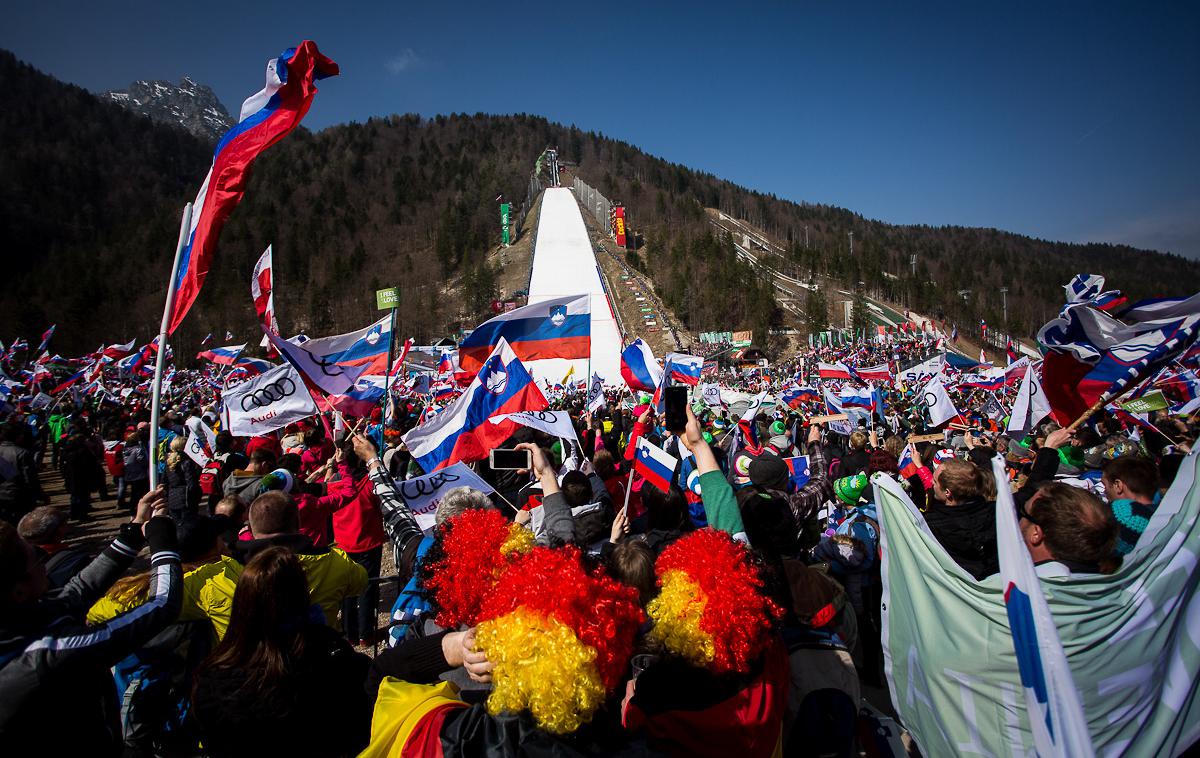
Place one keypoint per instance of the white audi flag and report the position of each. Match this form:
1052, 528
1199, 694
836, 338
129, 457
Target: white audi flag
267, 402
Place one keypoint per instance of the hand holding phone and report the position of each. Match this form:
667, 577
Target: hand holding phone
510, 459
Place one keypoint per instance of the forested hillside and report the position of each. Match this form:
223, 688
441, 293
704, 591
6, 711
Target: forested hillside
90, 197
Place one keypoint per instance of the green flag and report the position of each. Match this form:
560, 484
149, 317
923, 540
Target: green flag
1132, 639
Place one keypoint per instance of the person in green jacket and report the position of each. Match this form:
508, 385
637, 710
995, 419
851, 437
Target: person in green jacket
720, 506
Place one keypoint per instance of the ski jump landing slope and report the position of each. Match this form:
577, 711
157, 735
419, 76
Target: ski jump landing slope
565, 264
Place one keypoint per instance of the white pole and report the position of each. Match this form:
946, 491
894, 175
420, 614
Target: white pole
160, 360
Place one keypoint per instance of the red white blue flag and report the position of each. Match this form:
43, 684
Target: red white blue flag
684, 368
263, 292
266, 118
226, 356
463, 432
639, 367
560, 327
1055, 711
654, 464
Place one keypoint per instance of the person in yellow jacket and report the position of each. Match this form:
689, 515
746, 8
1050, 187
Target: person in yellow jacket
208, 589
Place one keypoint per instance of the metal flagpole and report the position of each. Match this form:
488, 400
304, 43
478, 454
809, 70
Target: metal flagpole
160, 359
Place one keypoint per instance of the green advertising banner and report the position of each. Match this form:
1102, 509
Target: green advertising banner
504, 223
1151, 401
387, 299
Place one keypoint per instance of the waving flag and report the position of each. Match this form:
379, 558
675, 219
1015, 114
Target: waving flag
46, 337
463, 432
445, 364
262, 290
70, 381
937, 400
880, 373
990, 379
1087, 289
639, 368
324, 361
684, 368
748, 429
654, 464
1030, 407
1011, 351
226, 356
793, 395
854, 397
266, 118
798, 471
837, 370
908, 467
363, 397
1092, 357
557, 328
1051, 698
120, 351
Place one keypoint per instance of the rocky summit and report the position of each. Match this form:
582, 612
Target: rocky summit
193, 106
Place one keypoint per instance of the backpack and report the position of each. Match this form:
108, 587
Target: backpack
211, 480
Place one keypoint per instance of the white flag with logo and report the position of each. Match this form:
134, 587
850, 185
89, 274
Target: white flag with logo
554, 423
267, 402
423, 493
203, 432
596, 399
711, 394
1031, 405
195, 449
937, 400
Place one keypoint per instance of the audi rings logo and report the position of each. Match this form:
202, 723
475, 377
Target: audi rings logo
267, 394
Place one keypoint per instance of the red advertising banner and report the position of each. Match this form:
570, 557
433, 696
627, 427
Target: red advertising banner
619, 224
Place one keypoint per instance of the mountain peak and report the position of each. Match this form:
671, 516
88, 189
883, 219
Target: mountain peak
191, 105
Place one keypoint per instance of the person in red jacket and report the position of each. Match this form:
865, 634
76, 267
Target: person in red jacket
316, 502
358, 529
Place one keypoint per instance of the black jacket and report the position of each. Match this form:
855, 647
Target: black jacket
968, 532
56, 690
320, 707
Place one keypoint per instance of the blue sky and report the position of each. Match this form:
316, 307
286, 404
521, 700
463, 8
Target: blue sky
1072, 121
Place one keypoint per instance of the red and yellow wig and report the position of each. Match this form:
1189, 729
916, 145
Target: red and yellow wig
465, 561
711, 609
558, 636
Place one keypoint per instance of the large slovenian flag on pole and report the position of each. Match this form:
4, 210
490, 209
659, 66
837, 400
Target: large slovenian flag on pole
639, 368
1055, 711
560, 327
463, 432
226, 356
266, 118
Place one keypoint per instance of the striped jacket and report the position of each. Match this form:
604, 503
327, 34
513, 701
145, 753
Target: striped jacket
56, 691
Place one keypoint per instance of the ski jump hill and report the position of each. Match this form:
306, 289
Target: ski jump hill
564, 263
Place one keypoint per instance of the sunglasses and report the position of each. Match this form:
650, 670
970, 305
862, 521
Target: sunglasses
1023, 511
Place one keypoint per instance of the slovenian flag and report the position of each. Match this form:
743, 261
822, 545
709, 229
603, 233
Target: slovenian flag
463, 432
908, 467
445, 364
560, 327
684, 368
226, 356
266, 118
853, 397
70, 381
798, 471
639, 368
654, 464
46, 337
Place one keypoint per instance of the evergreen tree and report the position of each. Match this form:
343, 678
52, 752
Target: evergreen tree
816, 308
